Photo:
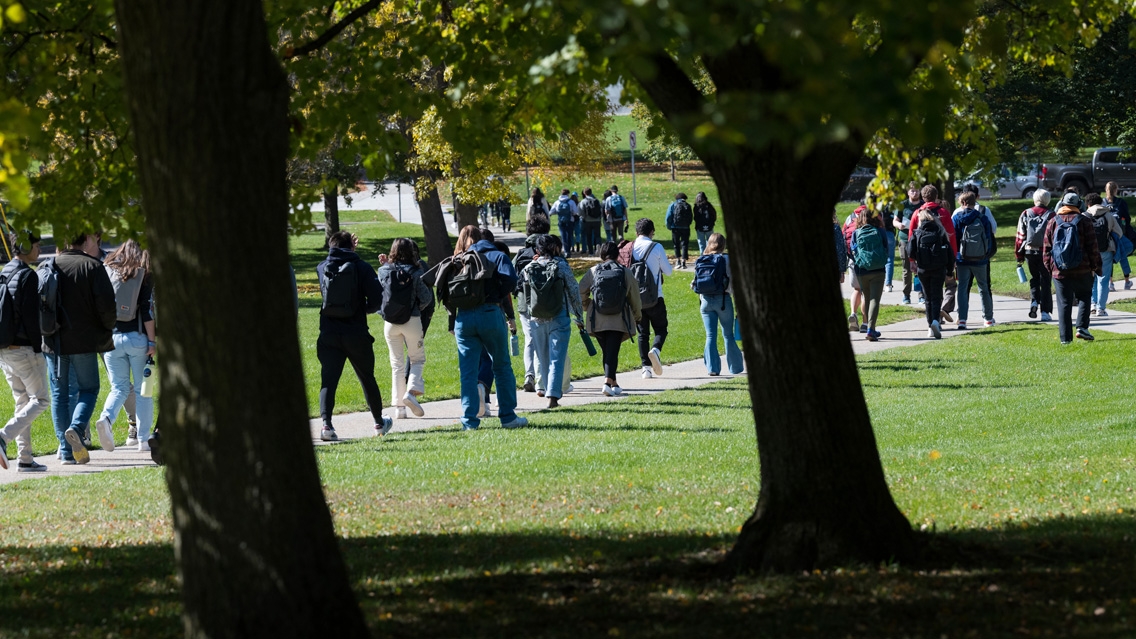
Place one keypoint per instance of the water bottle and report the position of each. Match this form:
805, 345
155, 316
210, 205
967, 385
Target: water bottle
1021, 274
587, 340
737, 329
516, 344
149, 378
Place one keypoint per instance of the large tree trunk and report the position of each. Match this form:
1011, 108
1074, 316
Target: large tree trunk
330, 214
438, 245
468, 214
255, 545
823, 499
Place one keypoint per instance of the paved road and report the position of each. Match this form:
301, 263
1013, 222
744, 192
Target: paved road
388, 198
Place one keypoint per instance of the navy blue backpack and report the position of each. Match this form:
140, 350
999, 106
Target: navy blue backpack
711, 275
1067, 245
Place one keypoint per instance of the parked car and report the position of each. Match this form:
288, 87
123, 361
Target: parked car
857, 184
1007, 187
1108, 164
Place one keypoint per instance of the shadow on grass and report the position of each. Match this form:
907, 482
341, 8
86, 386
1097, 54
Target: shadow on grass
1060, 577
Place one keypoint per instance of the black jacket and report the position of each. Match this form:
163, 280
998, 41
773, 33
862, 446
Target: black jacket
370, 294
26, 303
86, 301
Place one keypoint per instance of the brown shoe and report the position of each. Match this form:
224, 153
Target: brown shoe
553, 402
945, 316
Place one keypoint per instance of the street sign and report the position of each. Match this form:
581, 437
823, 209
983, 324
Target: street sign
632, 138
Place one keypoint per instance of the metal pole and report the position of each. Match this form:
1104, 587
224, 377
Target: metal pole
634, 191
527, 189
400, 202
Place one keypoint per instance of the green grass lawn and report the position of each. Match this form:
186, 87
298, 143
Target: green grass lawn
608, 520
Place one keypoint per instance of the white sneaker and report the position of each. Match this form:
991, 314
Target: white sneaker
106, 435
1102, 313
131, 436
647, 374
518, 422
385, 427
143, 446
988, 323
616, 390
656, 362
607, 391
412, 403
936, 330
481, 393
888, 288
400, 412
569, 389
1046, 317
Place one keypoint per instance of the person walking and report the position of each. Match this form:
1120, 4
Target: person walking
480, 324
23, 365
857, 295
610, 297
705, 217
1028, 243
553, 296
88, 317
975, 248
606, 202
869, 258
350, 291
1108, 231
680, 216
1072, 255
715, 289
902, 225
404, 298
929, 247
930, 195
841, 247
1119, 208
566, 212
576, 242
592, 211
647, 260
534, 228
134, 341
617, 214
537, 204
504, 210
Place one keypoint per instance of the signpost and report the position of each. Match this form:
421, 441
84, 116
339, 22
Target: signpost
634, 192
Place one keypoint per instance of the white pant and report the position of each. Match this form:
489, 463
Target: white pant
26, 371
405, 337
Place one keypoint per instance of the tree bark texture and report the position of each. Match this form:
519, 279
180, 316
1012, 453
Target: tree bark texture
434, 227
255, 545
330, 214
468, 214
823, 500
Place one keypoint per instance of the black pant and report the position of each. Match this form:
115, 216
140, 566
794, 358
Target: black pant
933, 294
681, 242
333, 352
1041, 283
656, 318
592, 231
1074, 288
610, 341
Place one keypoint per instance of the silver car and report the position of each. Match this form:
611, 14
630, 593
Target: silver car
1008, 186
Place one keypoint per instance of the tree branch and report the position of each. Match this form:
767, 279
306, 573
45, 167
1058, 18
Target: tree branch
335, 30
670, 88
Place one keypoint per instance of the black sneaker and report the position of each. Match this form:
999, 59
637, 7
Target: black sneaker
1085, 335
530, 384
30, 467
1033, 311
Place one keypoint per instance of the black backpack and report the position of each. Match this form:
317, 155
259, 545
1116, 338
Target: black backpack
9, 323
399, 295
48, 290
648, 284
592, 209
465, 277
524, 258
683, 215
932, 248
544, 289
1100, 225
340, 290
609, 292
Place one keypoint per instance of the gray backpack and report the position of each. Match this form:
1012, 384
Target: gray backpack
125, 294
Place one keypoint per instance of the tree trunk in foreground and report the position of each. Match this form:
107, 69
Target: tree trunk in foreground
824, 500
330, 214
255, 546
434, 227
468, 215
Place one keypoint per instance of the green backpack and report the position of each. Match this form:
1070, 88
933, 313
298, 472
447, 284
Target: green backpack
869, 249
544, 289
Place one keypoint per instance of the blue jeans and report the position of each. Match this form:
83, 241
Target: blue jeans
567, 233
719, 309
1100, 283
976, 272
477, 330
126, 361
580, 231
703, 240
550, 343
889, 267
84, 369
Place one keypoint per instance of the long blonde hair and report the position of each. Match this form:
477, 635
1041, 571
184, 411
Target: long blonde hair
127, 260
926, 216
716, 244
467, 237
1111, 190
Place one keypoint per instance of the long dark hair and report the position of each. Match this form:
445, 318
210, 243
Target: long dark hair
402, 251
700, 199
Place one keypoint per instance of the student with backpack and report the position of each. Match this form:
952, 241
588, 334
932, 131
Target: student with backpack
350, 291
975, 248
1119, 208
472, 284
566, 211
1027, 249
610, 297
902, 224
617, 214
647, 261
577, 240
1071, 254
592, 211
930, 249
680, 216
534, 228
869, 258
553, 296
930, 195
20, 350
405, 296
705, 217
1108, 233
537, 204
857, 300
134, 342
715, 289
